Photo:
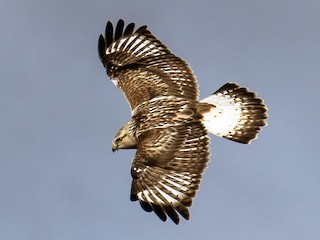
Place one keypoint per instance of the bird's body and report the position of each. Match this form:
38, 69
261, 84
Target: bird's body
169, 124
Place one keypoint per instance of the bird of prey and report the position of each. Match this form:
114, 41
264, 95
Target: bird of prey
169, 124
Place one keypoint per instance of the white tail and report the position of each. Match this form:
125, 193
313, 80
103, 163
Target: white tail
237, 114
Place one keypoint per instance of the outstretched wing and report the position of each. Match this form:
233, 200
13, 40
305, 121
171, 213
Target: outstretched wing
143, 67
168, 168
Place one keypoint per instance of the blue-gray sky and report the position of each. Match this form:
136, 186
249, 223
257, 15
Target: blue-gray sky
59, 112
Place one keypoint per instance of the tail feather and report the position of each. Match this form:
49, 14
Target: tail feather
237, 114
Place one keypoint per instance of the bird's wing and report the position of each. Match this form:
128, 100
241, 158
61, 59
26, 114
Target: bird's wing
168, 168
142, 66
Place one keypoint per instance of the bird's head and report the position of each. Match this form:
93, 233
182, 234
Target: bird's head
124, 138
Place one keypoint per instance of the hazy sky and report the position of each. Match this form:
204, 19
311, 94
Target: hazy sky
59, 112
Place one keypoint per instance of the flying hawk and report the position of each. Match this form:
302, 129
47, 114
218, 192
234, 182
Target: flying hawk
169, 123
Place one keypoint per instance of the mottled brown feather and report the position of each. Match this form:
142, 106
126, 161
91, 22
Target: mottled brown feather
171, 155
129, 55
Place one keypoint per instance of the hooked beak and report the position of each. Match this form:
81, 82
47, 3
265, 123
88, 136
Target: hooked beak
114, 148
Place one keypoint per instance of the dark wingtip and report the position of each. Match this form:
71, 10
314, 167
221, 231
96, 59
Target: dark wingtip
172, 214
109, 33
146, 206
119, 29
101, 48
159, 211
183, 211
129, 29
142, 29
133, 197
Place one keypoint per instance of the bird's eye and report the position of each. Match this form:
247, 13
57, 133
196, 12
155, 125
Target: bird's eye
119, 139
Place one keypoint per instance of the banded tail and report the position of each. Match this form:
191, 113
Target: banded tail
238, 114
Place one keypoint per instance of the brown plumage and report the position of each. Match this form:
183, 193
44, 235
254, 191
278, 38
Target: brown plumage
143, 66
169, 124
